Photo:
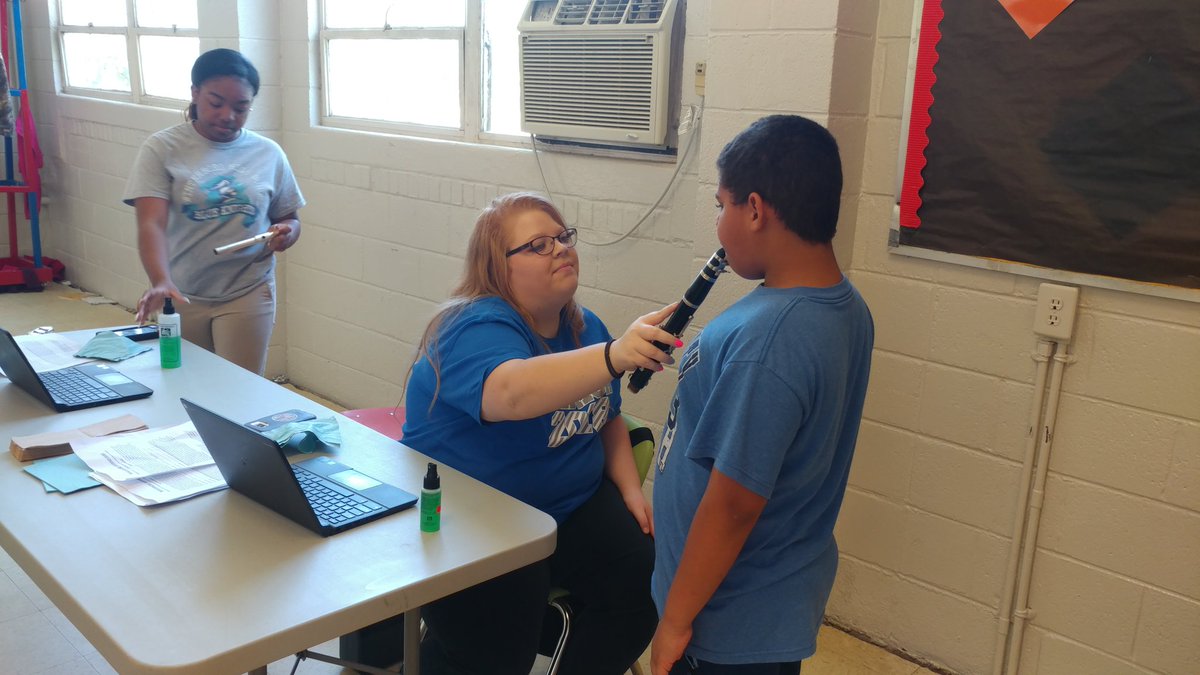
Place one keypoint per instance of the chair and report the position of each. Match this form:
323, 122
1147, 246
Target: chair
387, 421
376, 643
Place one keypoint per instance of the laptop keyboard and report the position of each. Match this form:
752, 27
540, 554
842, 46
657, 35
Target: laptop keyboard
332, 503
72, 387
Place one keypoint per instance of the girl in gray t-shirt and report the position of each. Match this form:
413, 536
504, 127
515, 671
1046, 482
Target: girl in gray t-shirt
206, 183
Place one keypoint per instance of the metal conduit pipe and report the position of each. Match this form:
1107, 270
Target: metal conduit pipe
1045, 349
1046, 440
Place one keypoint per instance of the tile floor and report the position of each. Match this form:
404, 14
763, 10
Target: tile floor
37, 639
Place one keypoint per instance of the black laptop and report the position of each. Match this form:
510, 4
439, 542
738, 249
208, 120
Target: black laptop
325, 496
74, 388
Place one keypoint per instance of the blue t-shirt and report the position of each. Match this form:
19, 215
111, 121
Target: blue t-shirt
771, 394
553, 462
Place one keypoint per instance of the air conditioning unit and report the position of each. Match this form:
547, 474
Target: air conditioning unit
597, 70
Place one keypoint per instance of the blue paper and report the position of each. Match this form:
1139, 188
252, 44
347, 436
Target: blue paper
66, 474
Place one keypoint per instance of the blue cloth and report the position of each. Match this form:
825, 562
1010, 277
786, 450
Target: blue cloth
771, 394
553, 462
109, 346
325, 429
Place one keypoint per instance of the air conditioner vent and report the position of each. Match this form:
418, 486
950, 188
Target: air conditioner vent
646, 12
572, 12
608, 11
590, 75
596, 81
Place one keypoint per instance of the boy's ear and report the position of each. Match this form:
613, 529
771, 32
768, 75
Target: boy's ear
760, 211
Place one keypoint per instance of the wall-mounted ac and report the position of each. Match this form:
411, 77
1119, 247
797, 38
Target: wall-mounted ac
597, 70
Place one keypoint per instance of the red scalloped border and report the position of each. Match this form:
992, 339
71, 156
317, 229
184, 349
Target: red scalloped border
918, 122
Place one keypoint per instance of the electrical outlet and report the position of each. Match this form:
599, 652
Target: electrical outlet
701, 71
1054, 317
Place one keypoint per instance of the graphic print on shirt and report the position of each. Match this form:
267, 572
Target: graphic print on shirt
218, 196
690, 358
588, 415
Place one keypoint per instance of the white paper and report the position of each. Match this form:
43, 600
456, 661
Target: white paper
167, 487
49, 351
152, 467
147, 453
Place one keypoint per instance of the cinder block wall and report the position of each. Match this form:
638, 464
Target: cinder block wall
925, 528
924, 532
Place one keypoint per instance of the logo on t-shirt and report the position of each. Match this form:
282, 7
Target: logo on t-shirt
221, 198
668, 437
586, 416
690, 358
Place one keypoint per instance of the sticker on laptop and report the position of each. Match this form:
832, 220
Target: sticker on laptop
279, 419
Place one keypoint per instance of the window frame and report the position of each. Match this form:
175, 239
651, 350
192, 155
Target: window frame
133, 34
471, 64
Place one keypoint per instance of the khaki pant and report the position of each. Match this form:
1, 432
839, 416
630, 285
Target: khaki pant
238, 330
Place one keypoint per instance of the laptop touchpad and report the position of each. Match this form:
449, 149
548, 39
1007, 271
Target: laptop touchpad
112, 379
354, 480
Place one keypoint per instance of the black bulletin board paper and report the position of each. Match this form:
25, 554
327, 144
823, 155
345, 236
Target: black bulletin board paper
1076, 150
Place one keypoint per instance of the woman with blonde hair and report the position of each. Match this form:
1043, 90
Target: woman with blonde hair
518, 386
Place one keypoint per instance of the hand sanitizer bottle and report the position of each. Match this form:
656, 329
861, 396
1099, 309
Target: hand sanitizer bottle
431, 500
169, 337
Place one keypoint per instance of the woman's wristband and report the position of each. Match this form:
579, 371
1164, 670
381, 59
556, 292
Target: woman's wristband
608, 360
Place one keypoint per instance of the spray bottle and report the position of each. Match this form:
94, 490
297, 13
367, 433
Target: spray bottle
169, 337
431, 500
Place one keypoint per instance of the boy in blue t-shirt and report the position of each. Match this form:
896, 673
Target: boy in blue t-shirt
757, 445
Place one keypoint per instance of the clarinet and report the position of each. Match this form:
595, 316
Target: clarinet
682, 316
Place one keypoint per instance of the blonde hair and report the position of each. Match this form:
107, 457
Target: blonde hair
485, 275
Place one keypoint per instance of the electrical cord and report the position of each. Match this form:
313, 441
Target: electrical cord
693, 119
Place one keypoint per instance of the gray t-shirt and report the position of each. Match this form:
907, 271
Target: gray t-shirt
218, 193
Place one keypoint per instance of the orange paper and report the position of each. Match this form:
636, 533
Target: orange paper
1034, 15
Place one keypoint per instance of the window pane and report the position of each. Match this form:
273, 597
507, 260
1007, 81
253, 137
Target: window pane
167, 65
398, 13
96, 61
166, 13
95, 12
501, 75
414, 81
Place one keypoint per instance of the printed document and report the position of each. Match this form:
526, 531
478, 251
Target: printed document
152, 467
49, 351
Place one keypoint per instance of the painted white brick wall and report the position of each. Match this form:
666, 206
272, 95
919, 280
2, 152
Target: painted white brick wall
925, 528
1115, 575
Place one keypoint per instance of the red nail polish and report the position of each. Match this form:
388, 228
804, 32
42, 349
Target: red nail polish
678, 343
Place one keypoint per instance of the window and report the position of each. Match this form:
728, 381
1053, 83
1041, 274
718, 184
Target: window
129, 50
447, 67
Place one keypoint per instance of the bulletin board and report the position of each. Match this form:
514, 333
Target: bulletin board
1058, 134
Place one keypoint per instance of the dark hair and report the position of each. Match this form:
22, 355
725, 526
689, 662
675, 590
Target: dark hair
794, 165
221, 63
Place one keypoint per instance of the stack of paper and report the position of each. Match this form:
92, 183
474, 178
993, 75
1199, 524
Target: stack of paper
53, 443
152, 467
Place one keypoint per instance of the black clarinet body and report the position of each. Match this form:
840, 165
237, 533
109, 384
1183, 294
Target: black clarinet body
682, 316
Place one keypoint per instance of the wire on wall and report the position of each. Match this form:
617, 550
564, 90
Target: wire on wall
689, 124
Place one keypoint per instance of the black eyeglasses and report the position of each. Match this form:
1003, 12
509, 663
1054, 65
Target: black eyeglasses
544, 245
